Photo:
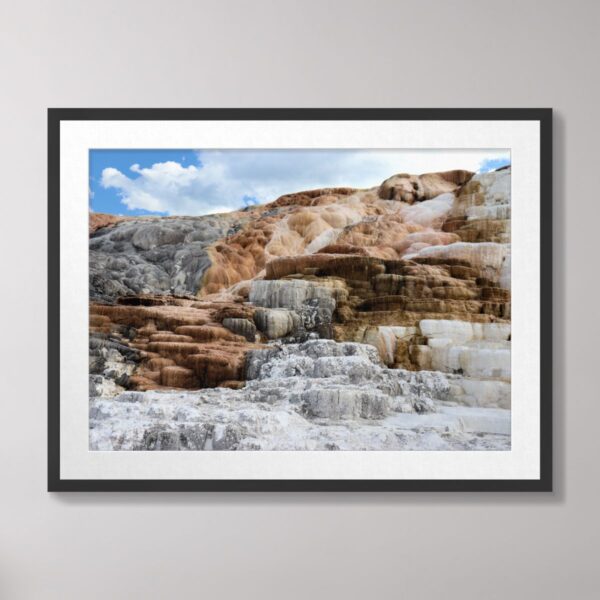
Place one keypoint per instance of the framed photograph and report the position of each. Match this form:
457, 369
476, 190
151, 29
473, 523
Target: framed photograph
300, 299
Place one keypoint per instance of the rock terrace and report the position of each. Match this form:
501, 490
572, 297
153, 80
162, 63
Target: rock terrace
328, 319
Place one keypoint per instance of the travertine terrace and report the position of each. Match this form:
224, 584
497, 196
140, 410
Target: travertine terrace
327, 319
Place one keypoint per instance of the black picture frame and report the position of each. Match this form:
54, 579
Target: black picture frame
543, 115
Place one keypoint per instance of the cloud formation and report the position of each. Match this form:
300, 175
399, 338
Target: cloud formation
225, 180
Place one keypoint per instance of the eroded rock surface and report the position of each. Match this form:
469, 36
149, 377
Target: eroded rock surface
317, 395
152, 256
328, 319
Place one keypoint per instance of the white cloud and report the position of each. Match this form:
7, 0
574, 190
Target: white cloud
224, 177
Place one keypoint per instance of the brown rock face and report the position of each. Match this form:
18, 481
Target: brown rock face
305, 222
312, 197
181, 342
379, 292
416, 188
98, 220
354, 265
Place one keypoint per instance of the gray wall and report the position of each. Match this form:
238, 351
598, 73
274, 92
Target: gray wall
260, 53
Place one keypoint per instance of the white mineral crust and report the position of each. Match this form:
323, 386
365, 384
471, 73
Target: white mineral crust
319, 395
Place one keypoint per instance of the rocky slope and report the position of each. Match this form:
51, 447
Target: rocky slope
337, 318
319, 395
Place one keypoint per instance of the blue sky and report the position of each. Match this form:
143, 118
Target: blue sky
195, 182
109, 200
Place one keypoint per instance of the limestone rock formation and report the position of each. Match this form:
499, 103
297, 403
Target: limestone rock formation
180, 342
276, 323
240, 326
328, 319
316, 395
415, 188
111, 365
152, 256
481, 212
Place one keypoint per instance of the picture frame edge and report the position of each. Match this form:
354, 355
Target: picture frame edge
544, 483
